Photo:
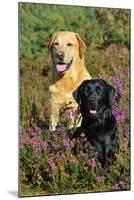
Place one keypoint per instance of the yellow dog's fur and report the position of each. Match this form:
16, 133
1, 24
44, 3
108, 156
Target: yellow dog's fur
62, 86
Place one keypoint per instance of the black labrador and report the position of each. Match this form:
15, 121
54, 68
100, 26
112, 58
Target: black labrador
98, 123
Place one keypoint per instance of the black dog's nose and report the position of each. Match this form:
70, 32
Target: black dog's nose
61, 55
92, 100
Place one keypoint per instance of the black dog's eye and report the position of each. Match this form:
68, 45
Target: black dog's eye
69, 44
87, 90
99, 89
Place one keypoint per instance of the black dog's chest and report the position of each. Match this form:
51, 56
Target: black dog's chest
98, 131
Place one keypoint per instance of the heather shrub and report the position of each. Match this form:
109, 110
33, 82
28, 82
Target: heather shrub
52, 162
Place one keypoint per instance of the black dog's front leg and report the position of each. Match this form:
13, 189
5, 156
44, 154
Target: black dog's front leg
109, 145
105, 153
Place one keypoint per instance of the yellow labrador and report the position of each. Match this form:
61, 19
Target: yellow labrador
68, 71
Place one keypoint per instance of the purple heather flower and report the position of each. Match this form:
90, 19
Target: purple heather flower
85, 139
33, 134
38, 130
37, 153
114, 100
119, 114
100, 178
115, 187
56, 137
50, 129
86, 145
66, 142
67, 113
51, 164
92, 162
35, 165
73, 142
120, 182
60, 130
74, 112
53, 145
101, 171
125, 71
119, 85
71, 113
44, 144
82, 134
20, 131
25, 141
126, 130
62, 155
36, 143
28, 132
83, 155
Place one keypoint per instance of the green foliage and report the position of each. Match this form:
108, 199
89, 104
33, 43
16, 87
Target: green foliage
99, 27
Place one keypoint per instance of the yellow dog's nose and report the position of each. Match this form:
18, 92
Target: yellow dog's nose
60, 55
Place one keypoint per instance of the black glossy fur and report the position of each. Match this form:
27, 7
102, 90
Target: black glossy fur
95, 100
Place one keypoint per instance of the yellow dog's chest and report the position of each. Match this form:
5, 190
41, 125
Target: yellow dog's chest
62, 96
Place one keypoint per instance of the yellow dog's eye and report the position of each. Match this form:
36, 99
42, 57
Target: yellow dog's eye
69, 44
56, 43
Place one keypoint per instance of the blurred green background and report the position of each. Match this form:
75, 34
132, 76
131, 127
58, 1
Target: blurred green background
99, 27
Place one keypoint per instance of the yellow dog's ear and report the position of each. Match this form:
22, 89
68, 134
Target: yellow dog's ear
50, 44
82, 45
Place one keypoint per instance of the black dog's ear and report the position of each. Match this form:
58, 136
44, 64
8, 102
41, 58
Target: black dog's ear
77, 96
78, 92
111, 92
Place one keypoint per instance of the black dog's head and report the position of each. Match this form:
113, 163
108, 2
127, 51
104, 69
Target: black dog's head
94, 94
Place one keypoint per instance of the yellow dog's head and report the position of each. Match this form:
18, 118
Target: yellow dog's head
66, 48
